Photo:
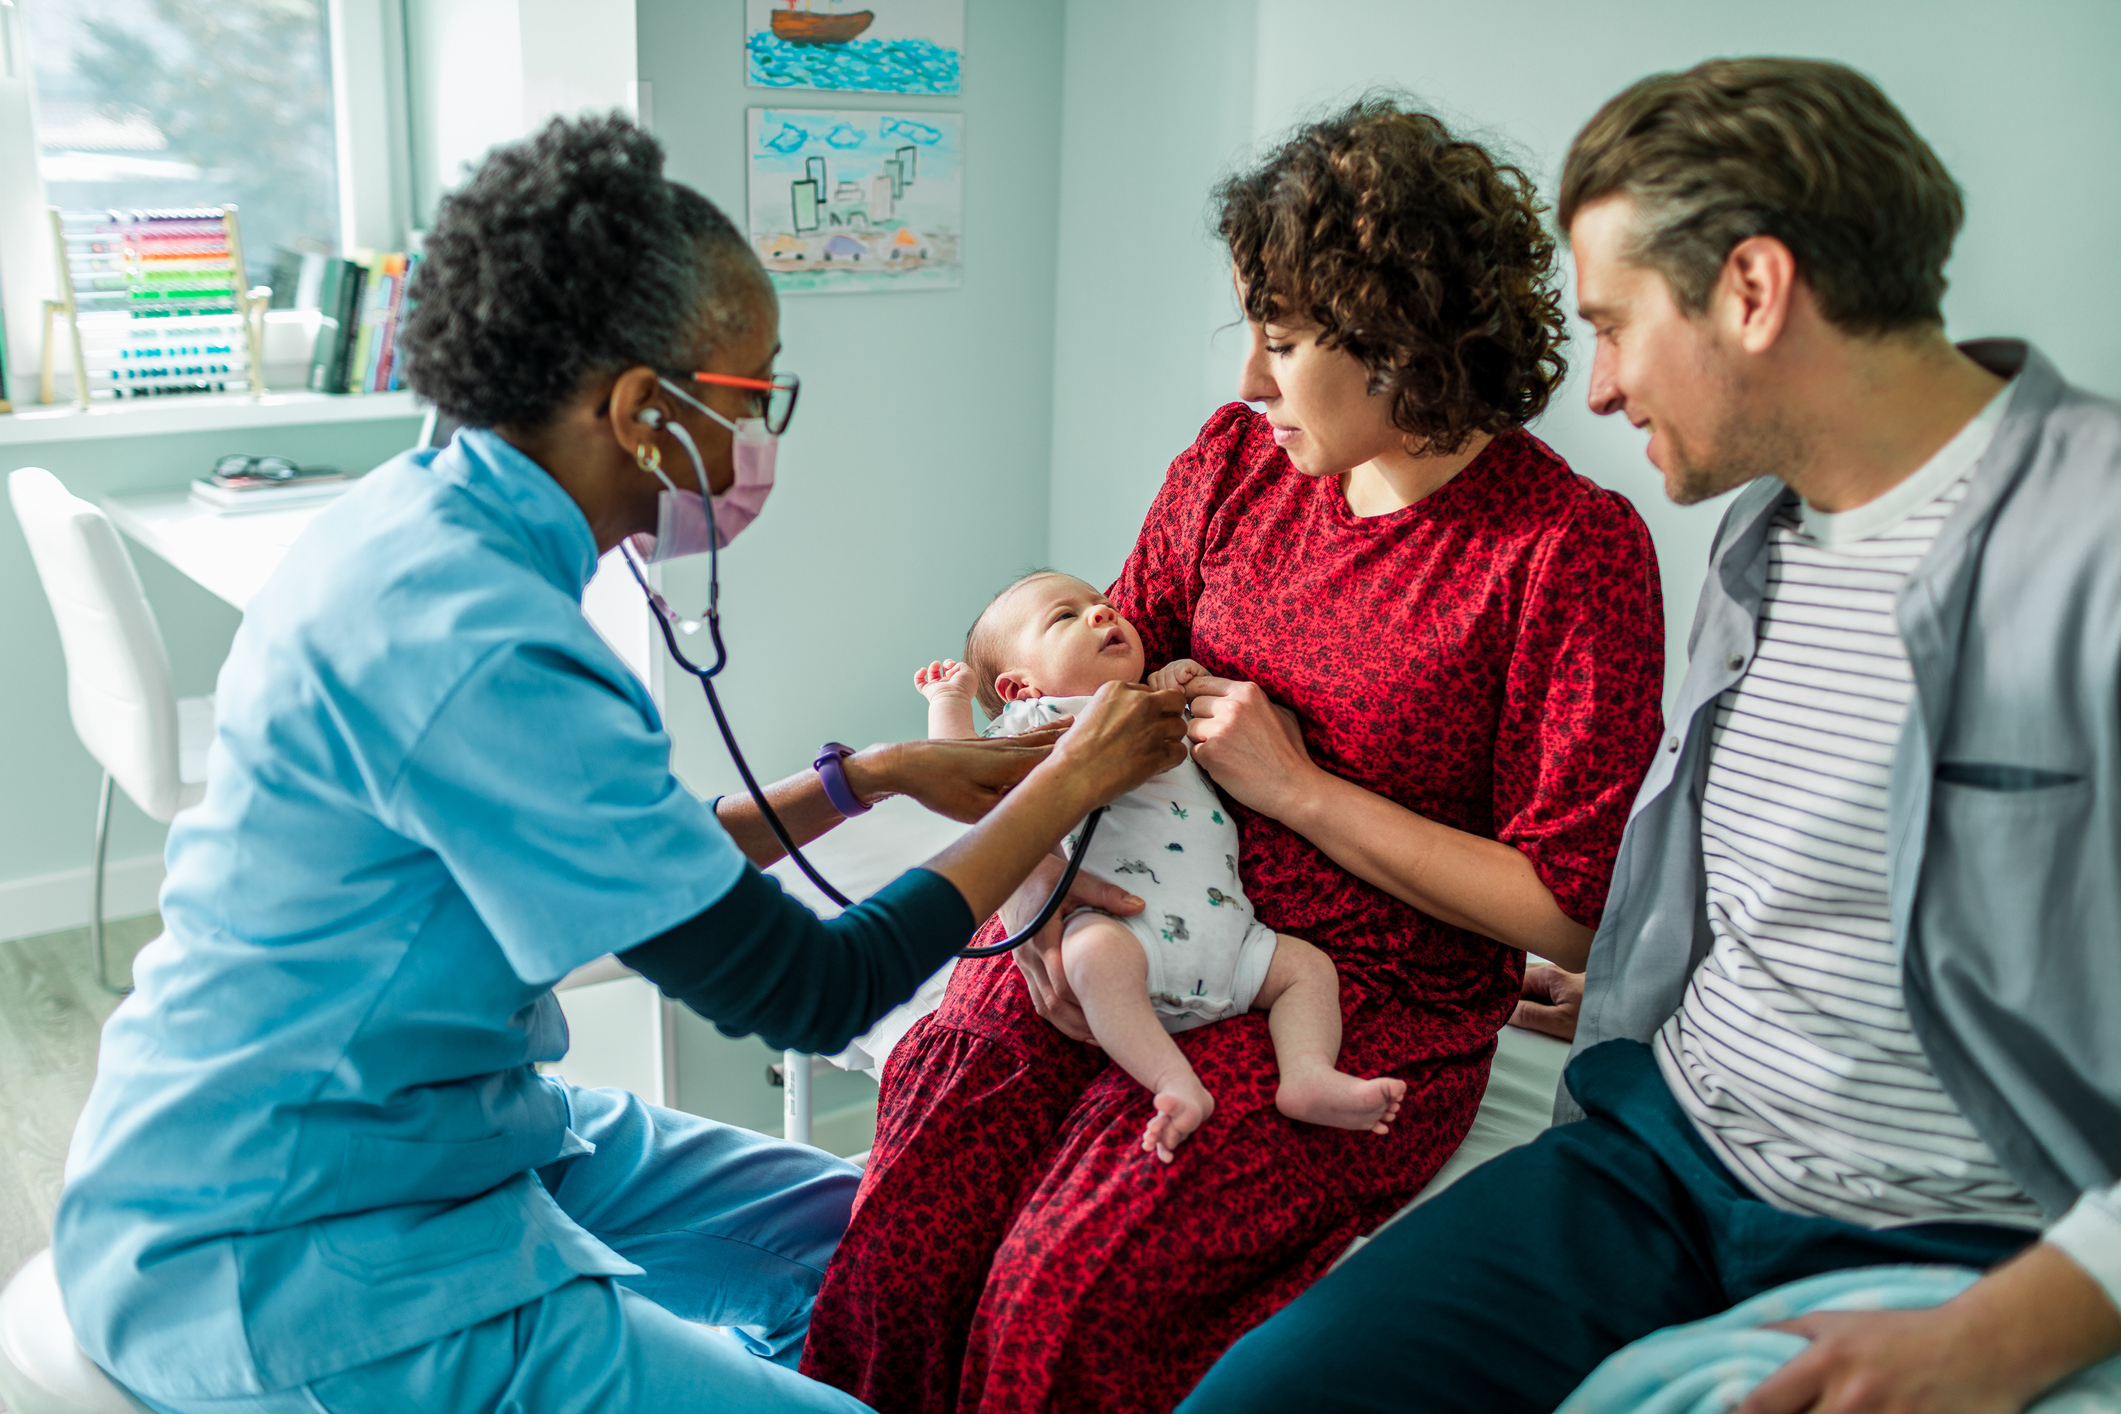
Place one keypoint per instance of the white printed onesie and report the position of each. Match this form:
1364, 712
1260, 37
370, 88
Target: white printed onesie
1170, 842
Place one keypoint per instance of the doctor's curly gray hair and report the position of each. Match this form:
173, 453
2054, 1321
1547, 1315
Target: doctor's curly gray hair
566, 255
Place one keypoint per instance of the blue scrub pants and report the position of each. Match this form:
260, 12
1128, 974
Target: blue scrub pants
733, 1229
1502, 1293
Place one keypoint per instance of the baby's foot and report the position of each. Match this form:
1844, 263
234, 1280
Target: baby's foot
1337, 1099
1179, 1111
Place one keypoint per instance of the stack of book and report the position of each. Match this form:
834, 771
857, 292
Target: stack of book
363, 305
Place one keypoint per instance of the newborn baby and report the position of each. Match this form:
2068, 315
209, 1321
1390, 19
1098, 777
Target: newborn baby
1195, 954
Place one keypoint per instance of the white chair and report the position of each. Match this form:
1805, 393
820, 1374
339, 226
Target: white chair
118, 685
42, 1369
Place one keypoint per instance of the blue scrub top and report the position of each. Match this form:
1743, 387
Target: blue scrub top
433, 791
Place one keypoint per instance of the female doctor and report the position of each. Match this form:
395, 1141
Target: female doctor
319, 1169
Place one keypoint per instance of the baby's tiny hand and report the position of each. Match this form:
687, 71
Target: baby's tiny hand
944, 679
1176, 673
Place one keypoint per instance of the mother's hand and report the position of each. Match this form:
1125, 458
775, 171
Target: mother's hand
1252, 747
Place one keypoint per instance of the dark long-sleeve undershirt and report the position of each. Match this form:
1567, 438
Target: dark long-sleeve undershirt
757, 961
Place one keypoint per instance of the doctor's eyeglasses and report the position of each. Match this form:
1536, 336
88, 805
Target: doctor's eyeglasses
774, 398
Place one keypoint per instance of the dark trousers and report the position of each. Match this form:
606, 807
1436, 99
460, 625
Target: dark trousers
1510, 1287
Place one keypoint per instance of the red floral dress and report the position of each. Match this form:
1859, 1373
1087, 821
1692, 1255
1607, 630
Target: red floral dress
1491, 658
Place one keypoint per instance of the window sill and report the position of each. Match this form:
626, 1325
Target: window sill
35, 422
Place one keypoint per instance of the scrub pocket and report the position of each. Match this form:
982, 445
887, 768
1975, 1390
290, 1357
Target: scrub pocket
412, 1239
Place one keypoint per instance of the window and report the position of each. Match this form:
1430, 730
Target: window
144, 104
294, 111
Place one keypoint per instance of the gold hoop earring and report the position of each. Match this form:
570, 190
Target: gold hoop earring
648, 457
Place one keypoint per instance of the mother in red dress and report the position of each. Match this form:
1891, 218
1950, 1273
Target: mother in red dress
1436, 657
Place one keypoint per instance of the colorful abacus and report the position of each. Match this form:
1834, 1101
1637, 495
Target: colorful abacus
155, 304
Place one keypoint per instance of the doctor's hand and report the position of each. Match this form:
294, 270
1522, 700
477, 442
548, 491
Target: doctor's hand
960, 779
1039, 959
1249, 744
1127, 734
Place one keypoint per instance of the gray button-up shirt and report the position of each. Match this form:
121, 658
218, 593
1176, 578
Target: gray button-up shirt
2003, 852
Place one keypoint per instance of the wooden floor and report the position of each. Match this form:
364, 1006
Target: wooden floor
51, 1011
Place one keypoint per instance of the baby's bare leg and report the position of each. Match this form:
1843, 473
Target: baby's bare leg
1301, 997
1105, 965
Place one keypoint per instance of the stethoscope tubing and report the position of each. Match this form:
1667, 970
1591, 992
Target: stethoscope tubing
666, 620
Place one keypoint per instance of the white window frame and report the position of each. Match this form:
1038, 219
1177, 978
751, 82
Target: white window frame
368, 72
374, 118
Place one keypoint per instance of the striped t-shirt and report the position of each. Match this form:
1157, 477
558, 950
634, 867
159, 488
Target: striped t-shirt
1792, 1051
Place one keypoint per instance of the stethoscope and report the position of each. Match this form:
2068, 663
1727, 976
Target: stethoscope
672, 626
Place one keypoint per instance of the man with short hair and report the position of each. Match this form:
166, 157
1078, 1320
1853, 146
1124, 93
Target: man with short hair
1848, 1003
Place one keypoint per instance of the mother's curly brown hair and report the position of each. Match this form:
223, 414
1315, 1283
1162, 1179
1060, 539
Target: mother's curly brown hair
1415, 251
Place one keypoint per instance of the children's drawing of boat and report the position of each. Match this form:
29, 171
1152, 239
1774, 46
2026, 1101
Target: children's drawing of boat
793, 26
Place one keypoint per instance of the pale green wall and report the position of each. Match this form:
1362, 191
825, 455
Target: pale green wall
2019, 101
1158, 101
913, 482
47, 780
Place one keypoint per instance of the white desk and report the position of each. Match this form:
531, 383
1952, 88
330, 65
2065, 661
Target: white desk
231, 553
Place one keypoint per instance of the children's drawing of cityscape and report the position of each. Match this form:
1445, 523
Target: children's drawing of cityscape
899, 46
847, 201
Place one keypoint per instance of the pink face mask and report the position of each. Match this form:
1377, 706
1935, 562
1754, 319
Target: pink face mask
756, 451
683, 523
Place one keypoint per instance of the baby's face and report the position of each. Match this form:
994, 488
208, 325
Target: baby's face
1060, 638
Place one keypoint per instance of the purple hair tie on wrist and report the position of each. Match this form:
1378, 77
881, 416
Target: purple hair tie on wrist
832, 771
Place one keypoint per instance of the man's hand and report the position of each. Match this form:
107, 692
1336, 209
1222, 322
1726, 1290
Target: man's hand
1175, 674
1039, 959
961, 779
1992, 1349
1552, 999
945, 678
